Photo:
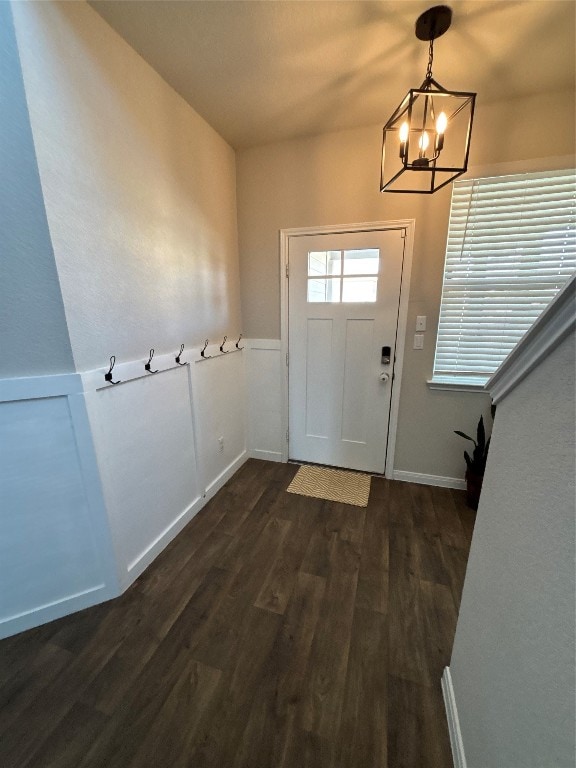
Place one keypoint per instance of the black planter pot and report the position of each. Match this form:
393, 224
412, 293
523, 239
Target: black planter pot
473, 488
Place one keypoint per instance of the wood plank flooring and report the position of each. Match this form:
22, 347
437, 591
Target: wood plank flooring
276, 631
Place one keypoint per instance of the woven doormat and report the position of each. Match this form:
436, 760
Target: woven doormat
332, 484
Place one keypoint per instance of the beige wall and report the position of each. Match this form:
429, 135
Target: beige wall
140, 192
333, 179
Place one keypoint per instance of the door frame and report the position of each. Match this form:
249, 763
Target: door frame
285, 234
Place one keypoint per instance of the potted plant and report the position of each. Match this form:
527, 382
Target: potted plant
475, 464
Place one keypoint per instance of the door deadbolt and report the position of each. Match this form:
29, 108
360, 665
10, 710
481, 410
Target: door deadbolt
385, 359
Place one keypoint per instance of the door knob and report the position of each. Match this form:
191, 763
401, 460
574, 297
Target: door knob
384, 377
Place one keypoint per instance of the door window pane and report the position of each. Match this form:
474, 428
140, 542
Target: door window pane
359, 289
324, 263
325, 289
362, 262
357, 264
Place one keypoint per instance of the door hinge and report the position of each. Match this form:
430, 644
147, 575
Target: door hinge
287, 357
287, 435
287, 270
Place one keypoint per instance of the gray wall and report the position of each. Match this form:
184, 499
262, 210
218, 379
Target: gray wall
33, 331
513, 659
140, 192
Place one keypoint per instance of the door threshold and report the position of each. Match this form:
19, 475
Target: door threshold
302, 463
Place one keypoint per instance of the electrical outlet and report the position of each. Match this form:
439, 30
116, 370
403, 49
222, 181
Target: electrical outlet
421, 323
221, 444
418, 341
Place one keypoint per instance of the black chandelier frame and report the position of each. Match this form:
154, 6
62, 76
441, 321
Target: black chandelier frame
429, 26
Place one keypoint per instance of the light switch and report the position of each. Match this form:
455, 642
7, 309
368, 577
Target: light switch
418, 341
421, 323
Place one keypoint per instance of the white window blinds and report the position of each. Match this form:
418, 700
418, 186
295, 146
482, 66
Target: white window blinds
511, 247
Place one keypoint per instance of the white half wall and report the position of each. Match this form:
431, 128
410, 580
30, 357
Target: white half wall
55, 549
218, 385
157, 442
97, 478
145, 448
264, 375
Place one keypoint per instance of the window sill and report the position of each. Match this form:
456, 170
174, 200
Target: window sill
471, 384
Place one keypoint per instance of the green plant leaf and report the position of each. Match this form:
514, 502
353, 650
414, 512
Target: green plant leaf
457, 432
481, 434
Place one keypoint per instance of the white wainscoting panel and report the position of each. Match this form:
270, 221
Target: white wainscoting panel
144, 440
264, 389
55, 554
218, 393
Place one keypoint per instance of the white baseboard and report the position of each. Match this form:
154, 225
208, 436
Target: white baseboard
139, 565
142, 562
224, 476
12, 625
453, 723
266, 455
438, 480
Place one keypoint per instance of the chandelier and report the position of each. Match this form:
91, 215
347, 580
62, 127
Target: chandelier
426, 142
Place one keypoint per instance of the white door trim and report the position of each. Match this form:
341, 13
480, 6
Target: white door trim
285, 235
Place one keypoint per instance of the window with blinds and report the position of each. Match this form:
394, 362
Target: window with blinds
511, 247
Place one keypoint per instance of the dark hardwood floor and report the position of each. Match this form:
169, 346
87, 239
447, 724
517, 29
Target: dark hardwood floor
276, 631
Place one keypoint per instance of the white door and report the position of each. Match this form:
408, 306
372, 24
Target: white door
343, 301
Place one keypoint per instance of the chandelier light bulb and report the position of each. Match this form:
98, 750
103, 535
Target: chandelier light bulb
424, 141
441, 122
403, 134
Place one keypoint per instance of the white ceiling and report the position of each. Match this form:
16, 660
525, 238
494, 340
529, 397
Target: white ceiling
265, 70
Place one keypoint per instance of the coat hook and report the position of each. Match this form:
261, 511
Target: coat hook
238, 342
179, 355
204, 350
222, 345
147, 366
108, 376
